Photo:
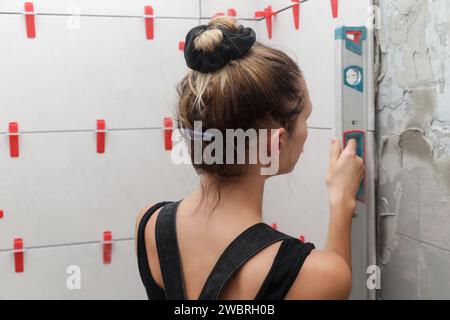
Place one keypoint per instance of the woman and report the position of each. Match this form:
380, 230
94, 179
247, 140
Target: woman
213, 244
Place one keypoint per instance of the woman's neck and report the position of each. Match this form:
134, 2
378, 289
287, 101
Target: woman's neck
241, 199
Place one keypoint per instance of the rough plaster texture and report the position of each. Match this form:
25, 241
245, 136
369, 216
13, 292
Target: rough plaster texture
413, 128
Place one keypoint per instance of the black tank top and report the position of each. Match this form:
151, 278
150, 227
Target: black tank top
284, 270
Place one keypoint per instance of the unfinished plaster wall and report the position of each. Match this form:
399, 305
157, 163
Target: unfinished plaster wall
413, 124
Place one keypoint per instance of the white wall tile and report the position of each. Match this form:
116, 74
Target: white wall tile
61, 191
298, 202
244, 9
172, 8
45, 273
65, 78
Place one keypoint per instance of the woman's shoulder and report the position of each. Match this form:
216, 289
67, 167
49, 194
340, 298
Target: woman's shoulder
145, 235
142, 213
151, 209
323, 276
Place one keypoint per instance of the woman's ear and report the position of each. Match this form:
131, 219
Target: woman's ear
276, 140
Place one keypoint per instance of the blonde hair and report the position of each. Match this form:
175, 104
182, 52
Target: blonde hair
259, 88
212, 37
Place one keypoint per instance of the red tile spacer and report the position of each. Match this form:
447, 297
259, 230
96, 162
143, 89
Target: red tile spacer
335, 8
107, 247
14, 139
149, 22
181, 45
267, 14
296, 11
101, 133
2, 214
274, 226
302, 239
29, 20
232, 13
18, 255
168, 129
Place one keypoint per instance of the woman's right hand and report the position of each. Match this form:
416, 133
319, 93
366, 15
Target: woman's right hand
344, 176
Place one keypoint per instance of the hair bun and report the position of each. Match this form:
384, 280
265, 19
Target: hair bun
234, 45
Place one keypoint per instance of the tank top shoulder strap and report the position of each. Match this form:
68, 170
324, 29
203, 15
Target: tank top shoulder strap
287, 264
169, 253
242, 249
152, 288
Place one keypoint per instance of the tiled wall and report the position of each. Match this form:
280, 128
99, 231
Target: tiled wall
60, 195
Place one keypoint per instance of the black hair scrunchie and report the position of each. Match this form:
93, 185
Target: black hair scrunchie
233, 46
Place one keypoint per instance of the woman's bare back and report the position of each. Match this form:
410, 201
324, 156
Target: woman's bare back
203, 237
201, 243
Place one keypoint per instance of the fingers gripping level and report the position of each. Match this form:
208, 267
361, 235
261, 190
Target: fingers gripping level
359, 137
